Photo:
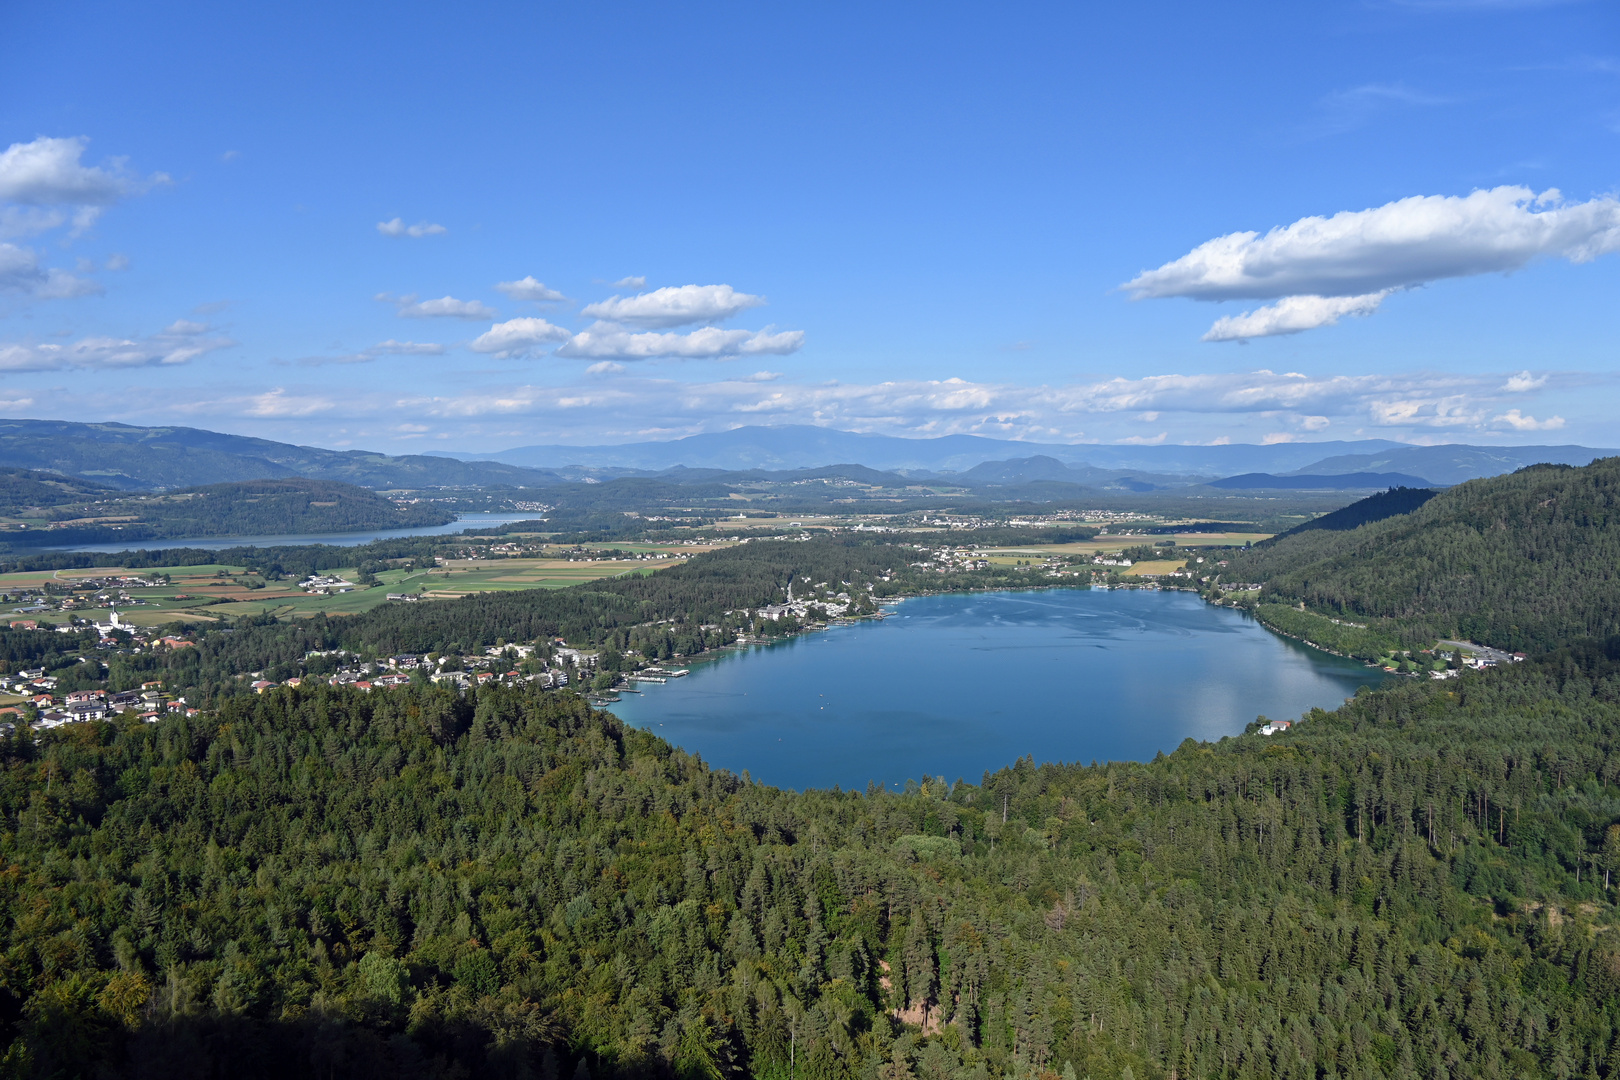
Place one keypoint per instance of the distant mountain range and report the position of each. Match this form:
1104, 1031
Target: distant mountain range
145, 458
798, 446
801, 447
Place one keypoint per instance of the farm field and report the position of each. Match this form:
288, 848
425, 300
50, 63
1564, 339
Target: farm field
1115, 543
1184, 541
205, 594
461, 576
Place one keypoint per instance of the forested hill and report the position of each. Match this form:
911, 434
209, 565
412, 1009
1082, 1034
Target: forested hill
248, 508
1525, 561
1385, 504
282, 506
419, 883
24, 489
320, 882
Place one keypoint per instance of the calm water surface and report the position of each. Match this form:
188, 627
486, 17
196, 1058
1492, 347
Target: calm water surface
347, 539
954, 685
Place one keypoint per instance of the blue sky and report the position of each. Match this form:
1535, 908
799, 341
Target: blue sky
412, 228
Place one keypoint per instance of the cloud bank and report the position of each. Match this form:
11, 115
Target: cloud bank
1263, 405
1358, 257
610, 402
179, 343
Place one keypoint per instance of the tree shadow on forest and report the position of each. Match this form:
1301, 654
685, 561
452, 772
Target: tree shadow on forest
224, 1047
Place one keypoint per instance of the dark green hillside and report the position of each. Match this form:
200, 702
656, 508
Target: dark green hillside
280, 506
323, 882
1525, 561
246, 508
1386, 504
27, 489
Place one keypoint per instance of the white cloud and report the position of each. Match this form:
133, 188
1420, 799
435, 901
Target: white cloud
20, 271
706, 343
1292, 314
44, 185
1145, 440
1408, 242
48, 172
674, 306
278, 404
382, 348
117, 262
179, 343
638, 281
518, 337
445, 307
1523, 381
406, 348
29, 220
397, 227
1344, 110
529, 289
1362, 254
1516, 420
604, 367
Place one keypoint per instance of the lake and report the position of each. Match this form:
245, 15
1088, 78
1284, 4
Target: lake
954, 685
346, 539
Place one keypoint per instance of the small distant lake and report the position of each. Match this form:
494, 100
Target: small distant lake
345, 539
954, 685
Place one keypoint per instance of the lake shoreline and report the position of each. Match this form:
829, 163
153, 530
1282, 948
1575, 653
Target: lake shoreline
977, 679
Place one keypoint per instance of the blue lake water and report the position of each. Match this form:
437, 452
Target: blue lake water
346, 539
954, 685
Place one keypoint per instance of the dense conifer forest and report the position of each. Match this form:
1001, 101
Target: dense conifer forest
322, 882
1530, 560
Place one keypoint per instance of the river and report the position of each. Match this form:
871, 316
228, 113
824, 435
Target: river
954, 685
345, 539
